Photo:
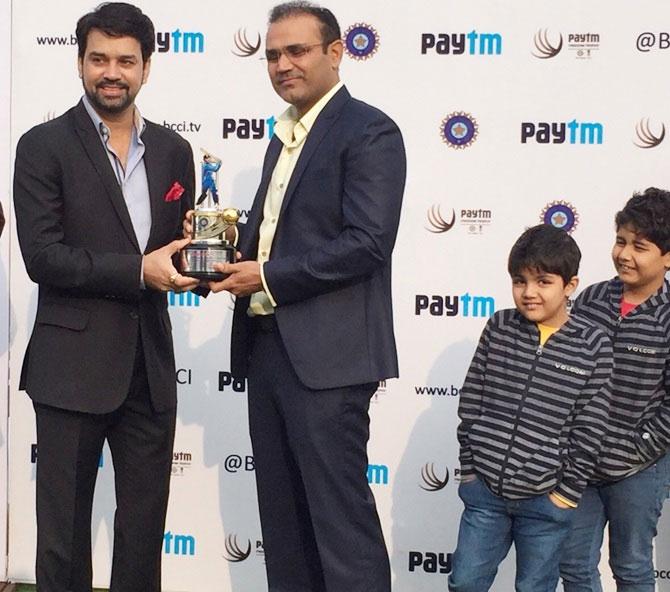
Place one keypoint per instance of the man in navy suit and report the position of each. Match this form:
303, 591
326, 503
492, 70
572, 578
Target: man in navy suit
313, 323
100, 194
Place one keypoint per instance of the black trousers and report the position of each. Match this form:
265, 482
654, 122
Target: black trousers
69, 445
321, 532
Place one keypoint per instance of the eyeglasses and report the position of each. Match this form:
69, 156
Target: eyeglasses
292, 52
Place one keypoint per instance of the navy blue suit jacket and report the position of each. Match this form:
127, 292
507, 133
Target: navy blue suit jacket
330, 265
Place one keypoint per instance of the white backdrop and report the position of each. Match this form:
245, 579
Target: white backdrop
478, 59
5, 47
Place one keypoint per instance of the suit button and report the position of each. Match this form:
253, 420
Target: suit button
134, 315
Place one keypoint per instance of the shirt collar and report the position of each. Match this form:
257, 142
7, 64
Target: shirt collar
291, 130
139, 123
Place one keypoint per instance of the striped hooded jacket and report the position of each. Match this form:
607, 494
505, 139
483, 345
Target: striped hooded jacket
640, 407
533, 417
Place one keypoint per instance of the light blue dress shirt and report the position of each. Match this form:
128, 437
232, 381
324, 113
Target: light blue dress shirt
133, 179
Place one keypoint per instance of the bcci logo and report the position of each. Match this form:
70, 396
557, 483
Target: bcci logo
361, 41
561, 214
459, 130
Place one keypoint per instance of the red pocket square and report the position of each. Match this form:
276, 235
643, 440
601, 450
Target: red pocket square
175, 192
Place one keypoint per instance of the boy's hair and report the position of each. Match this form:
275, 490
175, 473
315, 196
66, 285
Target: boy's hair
330, 28
648, 213
118, 19
545, 248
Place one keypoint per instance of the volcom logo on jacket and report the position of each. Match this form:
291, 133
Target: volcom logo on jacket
641, 350
572, 369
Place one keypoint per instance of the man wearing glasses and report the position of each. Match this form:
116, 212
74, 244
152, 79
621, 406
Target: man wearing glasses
313, 325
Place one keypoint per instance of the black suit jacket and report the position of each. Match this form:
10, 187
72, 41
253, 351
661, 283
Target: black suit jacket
79, 246
330, 264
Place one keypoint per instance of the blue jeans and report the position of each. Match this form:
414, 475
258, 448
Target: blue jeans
489, 525
632, 507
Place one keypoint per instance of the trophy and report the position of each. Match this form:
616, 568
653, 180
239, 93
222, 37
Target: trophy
214, 231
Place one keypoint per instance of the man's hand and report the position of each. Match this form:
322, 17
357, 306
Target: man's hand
161, 274
244, 278
187, 224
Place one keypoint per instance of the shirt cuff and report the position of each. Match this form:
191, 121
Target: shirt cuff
266, 289
142, 284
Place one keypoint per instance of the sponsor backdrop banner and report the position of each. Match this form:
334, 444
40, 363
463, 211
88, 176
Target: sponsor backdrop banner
5, 52
512, 113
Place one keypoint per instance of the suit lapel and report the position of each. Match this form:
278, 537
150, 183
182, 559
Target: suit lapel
321, 126
96, 152
155, 173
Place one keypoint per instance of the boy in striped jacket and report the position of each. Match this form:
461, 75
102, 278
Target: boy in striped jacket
534, 410
632, 479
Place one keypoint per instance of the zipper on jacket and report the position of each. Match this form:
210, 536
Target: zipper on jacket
538, 353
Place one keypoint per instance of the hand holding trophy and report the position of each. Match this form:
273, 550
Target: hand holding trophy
214, 232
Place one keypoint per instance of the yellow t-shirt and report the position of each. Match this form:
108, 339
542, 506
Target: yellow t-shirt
546, 332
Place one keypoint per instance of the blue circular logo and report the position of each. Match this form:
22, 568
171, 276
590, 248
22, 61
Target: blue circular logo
361, 41
560, 214
459, 129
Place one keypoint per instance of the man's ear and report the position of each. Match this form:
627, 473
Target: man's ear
146, 68
335, 53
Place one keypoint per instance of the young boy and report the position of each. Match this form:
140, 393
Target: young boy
534, 410
633, 475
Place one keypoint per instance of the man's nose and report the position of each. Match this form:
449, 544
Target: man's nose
284, 63
112, 70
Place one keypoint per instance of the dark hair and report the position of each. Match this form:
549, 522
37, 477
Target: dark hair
118, 19
547, 249
330, 29
648, 213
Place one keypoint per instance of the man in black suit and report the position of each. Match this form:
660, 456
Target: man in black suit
313, 324
99, 195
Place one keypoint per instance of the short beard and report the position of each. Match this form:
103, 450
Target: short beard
110, 109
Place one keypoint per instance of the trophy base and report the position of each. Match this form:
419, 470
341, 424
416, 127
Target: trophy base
197, 260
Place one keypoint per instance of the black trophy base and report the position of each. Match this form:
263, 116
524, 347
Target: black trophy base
197, 261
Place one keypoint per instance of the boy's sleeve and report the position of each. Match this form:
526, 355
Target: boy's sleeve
652, 438
589, 425
470, 401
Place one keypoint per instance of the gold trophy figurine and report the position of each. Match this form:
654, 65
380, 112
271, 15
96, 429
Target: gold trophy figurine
214, 228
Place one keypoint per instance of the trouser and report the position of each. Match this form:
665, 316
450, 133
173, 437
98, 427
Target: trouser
69, 445
631, 508
320, 526
489, 526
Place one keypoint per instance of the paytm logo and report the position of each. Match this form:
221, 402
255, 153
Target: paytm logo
249, 129
472, 43
451, 306
573, 132
238, 385
378, 474
183, 299
180, 42
178, 544
430, 562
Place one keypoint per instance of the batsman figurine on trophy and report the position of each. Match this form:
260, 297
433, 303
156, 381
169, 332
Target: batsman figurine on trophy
214, 228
